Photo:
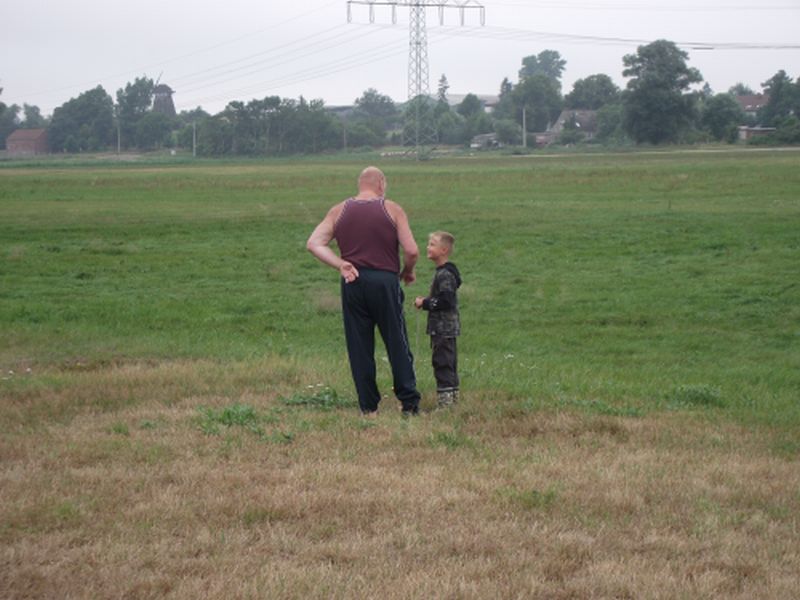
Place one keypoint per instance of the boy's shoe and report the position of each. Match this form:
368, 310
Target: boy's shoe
409, 412
446, 399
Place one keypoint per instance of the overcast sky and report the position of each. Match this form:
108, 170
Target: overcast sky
52, 50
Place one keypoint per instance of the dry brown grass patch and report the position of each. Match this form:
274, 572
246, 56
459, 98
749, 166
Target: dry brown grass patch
135, 500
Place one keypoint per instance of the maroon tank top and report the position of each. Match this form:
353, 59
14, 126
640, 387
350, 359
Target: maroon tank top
367, 235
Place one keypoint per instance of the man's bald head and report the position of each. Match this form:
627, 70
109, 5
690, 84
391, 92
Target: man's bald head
373, 180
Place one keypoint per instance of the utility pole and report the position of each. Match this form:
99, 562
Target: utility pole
419, 129
194, 139
524, 127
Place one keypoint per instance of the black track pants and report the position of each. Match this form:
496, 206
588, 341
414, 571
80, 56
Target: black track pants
376, 298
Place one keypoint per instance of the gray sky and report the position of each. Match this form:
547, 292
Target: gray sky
52, 50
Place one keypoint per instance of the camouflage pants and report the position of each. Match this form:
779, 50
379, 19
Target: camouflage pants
444, 358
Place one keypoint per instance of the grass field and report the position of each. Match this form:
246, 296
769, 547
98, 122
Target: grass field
177, 418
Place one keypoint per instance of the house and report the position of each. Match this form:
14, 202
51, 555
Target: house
544, 138
485, 141
584, 121
748, 133
27, 142
752, 103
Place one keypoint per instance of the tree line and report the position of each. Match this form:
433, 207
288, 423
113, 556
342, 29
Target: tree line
657, 106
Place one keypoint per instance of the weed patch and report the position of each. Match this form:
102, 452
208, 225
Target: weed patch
452, 440
237, 415
120, 429
599, 407
530, 499
320, 398
697, 395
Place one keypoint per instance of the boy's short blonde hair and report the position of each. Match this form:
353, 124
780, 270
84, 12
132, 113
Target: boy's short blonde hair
444, 238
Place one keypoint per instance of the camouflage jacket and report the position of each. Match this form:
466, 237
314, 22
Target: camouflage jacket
442, 303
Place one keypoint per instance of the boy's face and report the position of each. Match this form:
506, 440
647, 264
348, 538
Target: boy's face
436, 249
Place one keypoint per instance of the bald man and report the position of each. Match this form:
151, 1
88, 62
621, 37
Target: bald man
370, 232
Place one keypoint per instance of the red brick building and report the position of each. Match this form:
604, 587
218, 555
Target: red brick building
27, 142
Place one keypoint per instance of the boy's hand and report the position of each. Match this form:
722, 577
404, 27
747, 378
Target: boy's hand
418, 301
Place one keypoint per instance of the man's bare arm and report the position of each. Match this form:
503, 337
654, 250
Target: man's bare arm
319, 245
407, 243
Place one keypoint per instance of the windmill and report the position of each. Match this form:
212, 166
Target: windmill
162, 98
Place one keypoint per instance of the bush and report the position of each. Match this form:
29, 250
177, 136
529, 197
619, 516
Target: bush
788, 131
570, 136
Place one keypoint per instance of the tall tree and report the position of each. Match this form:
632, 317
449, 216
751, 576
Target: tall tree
376, 111
508, 131
657, 107
442, 106
441, 92
133, 103
592, 93
263, 113
609, 125
721, 115
8, 121
474, 119
214, 136
470, 106
740, 89
188, 122
315, 130
251, 125
783, 98
449, 127
85, 123
153, 131
505, 104
374, 104
539, 95
33, 118
244, 127
506, 88
187, 117
548, 63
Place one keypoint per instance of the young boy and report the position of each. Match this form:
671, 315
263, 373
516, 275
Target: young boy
443, 320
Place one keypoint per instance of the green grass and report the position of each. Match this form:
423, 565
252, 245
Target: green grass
605, 283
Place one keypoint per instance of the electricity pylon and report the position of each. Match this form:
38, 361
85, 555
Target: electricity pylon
419, 129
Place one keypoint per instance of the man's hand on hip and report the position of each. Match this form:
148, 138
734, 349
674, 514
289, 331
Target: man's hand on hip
348, 272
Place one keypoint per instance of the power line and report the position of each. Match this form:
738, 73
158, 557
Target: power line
440, 34
512, 34
568, 6
159, 64
356, 60
226, 66
351, 61
281, 59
